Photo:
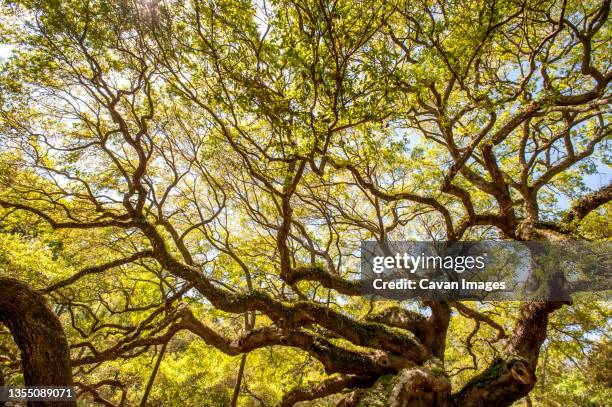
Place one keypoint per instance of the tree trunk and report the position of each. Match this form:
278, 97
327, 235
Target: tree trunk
39, 335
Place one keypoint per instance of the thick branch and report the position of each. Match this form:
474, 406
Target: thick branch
582, 207
328, 387
39, 336
325, 278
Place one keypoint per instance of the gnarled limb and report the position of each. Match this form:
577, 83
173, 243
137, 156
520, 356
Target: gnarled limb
582, 207
420, 386
512, 376
501, 384
330, 386
39, 335
325, 278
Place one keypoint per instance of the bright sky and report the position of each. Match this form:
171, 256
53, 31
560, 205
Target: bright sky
5, 51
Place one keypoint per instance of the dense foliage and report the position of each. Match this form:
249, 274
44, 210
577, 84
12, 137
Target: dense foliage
188, 184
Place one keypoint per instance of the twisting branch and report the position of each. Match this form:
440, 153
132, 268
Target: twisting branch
330, 386
98, 269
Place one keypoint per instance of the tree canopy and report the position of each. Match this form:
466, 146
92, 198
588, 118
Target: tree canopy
188, 184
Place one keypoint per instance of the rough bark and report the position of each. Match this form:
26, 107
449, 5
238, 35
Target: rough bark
512, 376
329, 386
420, 386
582, 207
39, 335
506, 380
